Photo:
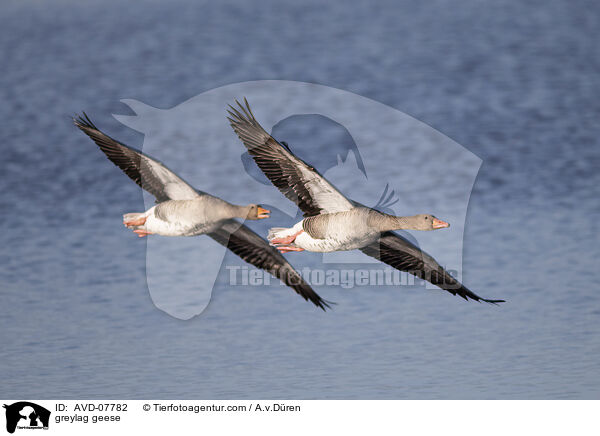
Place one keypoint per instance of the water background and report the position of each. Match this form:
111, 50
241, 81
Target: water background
517, 84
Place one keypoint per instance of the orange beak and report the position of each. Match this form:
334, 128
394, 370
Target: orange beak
262, 213
439, 224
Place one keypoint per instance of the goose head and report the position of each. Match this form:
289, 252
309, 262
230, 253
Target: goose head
424, 222
384, 222
255, 212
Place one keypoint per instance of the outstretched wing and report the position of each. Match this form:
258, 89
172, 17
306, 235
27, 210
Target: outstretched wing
401, 254
147, 172
297, 180
256, 251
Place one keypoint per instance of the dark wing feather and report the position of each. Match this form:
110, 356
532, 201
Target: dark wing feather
147, 172
297, 180
256, 251
401, 254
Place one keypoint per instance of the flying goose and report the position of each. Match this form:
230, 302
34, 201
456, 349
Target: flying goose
184, 211
332, 221
348, 230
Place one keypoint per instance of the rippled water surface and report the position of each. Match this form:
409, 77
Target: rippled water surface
515, 84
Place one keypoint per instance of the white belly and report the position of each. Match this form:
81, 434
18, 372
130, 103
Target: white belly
334, 242
176, 227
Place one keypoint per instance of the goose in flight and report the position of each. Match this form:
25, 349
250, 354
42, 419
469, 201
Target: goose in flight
184, 211
333, 222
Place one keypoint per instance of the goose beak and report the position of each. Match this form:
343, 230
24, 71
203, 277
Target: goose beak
262, 213
439, 224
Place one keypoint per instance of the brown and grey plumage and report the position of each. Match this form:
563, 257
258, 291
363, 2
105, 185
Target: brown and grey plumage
315, 196
176, 198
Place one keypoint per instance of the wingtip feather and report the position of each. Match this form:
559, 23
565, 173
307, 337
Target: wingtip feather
83, 121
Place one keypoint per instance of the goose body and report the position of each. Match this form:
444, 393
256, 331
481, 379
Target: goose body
349, 230
193, 217
332, 221
338, 231
337, 238
185, 211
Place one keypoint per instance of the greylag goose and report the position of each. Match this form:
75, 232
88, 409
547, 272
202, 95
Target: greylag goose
348, 230
184, 211
332, 221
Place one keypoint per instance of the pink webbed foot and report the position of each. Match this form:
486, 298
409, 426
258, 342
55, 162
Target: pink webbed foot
141, 233
286, 240
287, 248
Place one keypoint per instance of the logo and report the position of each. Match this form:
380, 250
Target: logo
373, 153
26, 415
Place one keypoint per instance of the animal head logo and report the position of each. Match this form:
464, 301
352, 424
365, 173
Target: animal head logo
24, 414
373, 153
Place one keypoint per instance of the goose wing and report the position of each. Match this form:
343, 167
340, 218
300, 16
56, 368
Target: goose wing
256, 251
148, 173
298, 181
403, 255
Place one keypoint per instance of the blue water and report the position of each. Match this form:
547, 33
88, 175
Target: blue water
517, 84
